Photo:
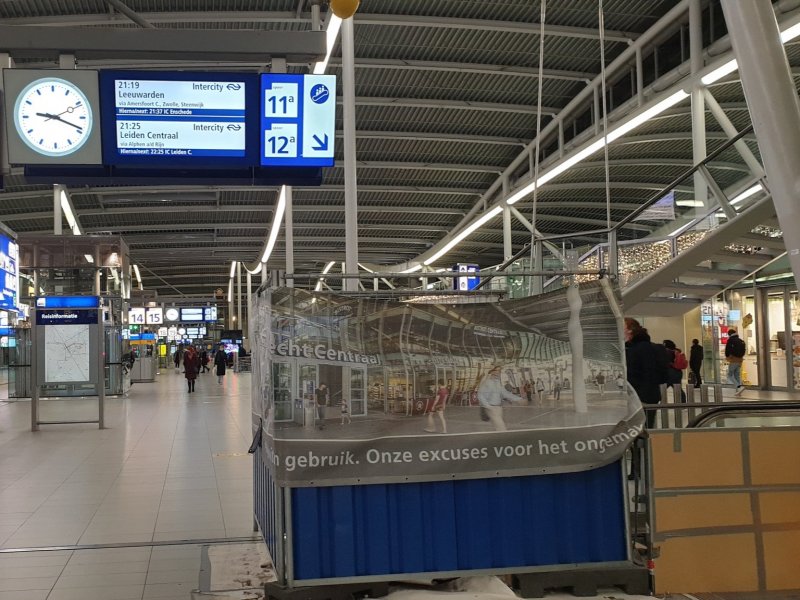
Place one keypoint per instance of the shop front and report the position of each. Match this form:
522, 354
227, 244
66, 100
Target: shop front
768, 320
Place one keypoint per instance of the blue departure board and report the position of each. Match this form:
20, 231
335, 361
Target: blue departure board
179, 119
298, 120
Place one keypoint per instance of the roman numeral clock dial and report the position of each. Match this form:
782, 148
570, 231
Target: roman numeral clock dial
53, 117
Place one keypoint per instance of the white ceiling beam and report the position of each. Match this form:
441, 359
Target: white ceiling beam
453, 105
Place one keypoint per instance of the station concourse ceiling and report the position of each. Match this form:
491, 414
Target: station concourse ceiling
446, 100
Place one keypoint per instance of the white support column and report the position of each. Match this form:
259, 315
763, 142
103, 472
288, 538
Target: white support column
772, 99
730, 130
349, 126
288, 233
698, 105
239, 294
508, 251
6, 62
249, 304
58, 218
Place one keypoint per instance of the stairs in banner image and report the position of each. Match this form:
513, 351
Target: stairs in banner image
714, 260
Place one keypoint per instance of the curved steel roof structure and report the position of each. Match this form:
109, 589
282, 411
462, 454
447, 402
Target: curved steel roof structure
446, 111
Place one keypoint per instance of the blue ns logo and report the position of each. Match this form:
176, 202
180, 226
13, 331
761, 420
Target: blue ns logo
319, 94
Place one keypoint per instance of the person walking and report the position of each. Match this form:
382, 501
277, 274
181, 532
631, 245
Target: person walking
437, 406
191, 366
221, 363
600, 380
321, 399
646, 364
696, 362
491, 394
556, 389
734, 354
204, 362
540, 390
677, 363
346, 411
178, 357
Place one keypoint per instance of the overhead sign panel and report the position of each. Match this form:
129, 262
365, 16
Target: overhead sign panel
298, 120
178, 118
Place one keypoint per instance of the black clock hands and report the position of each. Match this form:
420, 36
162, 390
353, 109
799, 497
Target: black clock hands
58, 118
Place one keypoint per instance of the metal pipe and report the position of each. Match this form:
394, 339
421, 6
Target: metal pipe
131, 14
58, 219
730, 130
697, 107
440, 274
249, 302
507, 245
772, 98
288, 232
239, 295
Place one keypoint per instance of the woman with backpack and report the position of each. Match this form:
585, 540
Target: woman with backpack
677, 363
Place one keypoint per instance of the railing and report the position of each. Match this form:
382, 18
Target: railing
685, 221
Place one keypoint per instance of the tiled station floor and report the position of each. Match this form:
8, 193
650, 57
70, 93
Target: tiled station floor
170, 466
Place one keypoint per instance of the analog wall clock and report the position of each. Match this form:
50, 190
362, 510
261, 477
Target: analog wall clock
172, 314
53, 117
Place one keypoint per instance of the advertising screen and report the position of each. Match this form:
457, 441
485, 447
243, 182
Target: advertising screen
9, 254
178, 119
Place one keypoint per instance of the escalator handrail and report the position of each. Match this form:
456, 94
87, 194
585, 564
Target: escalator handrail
740, 409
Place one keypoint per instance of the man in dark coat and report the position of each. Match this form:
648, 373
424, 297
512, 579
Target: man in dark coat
696, 361
221, 363
646, 365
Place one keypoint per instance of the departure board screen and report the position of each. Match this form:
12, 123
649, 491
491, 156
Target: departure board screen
179, 119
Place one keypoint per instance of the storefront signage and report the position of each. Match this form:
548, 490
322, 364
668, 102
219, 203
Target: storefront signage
322, 352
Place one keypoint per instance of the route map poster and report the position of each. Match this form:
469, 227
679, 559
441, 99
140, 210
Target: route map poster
67, 348
367, 389
66, 353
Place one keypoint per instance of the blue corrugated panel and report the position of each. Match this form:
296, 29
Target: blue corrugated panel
264, 504
368, 530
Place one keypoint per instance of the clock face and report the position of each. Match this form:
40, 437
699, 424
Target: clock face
172, 314
53, 117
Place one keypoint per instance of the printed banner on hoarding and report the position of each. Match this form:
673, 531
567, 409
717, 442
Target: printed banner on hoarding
365, 389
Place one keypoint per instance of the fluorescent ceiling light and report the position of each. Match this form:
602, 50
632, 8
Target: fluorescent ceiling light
464, 233
747, 193
89, 258
717, 74
233, 269
138, 275
689, 203
331, 33
67, 210
276, 225
230, 290
789, 34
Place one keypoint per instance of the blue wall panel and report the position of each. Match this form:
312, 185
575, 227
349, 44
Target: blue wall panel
366, 530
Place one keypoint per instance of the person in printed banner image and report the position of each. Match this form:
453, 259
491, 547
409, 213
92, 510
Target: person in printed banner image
696, 362
646, 363
191, 366
437, 406
321, 399
346, 411
540, 390
491, 394
734, 354
221, 363
557, 389
600, 380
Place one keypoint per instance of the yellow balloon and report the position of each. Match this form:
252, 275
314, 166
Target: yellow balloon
344, 9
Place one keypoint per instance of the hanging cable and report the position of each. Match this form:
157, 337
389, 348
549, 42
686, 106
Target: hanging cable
602, 27
542, 15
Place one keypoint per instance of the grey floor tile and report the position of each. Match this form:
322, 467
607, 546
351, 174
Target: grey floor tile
110, 592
